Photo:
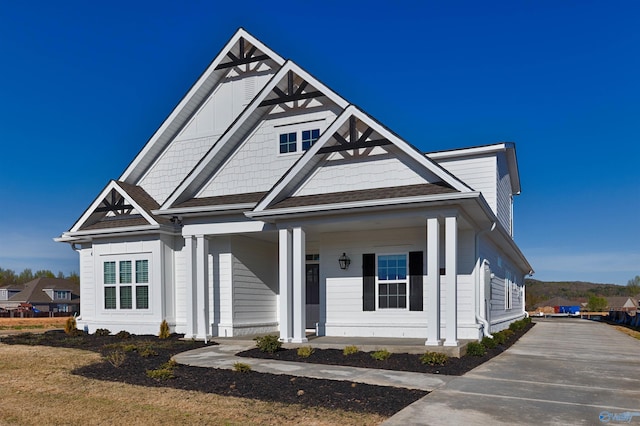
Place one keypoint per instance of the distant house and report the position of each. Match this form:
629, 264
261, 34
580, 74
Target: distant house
9, 290
622, 304
267, 203
45, 295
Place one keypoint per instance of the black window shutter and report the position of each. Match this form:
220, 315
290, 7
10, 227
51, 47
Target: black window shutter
369, 282
415, 280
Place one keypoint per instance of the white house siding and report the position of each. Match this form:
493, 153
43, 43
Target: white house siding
504, 194
180, 277
378, 169
220, 281
88, 286
138, 321
256, 165
255, 286
500, 316
479, 173
203, 130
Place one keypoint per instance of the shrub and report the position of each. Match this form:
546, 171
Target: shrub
507, 333
161, 374
102, 332
123, 334
434, 358
305, 351
70, 326
269, 343
488, 342
381, 355
115, 358
241, 367
164, 330
499, 338
476, 349
350, 350
146, 351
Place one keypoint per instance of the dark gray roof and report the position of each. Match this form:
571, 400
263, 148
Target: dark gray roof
252, 197
34, 291
365, 195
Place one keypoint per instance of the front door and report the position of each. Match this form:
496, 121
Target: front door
313, 294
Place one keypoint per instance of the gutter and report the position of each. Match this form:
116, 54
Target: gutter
480, 294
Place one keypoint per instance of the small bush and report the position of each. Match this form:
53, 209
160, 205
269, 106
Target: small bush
269, 343
164, 330
476, 349
434, 358
350, 350
70, 326
381, 355
146, 351
526, 320
507, 333
499, 338
241, 367
488, 342
161, 374
305, 351
102, 332
123, 334
115, 358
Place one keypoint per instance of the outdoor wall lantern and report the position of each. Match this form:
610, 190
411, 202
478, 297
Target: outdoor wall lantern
344, 261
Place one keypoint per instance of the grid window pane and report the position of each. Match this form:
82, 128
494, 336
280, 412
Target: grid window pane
142, 297
109, 272
309, 137
125, 297
109, 297
142, 271
287, 143
125, 272
392, 281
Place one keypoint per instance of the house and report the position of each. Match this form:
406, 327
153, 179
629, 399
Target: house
267, 203
622, 304
44, 294
9, 290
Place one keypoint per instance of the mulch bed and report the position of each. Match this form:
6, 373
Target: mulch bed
287, 389
397, 362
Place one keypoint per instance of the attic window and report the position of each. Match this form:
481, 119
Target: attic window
288, 143
309, 137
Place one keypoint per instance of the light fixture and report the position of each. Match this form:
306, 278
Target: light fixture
344, 261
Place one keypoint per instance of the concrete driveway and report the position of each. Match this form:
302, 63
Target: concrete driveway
563, 372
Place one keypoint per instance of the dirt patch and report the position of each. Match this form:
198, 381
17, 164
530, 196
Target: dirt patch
138, 354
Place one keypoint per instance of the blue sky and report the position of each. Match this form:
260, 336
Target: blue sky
85, 84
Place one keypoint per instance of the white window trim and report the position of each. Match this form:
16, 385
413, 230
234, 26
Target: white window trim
405, 281
133, 284
297, 129
508, 290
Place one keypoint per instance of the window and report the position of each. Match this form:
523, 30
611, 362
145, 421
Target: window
392, 281
120, 285
61, 294
309, 137
508, 291
288, 143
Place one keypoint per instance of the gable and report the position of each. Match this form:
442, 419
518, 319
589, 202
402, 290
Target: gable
119, 205
237, 73
358, 156
246, 158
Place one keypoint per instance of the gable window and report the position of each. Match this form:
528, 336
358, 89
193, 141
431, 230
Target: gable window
61, 294
288, 143
309, 137
124, 280
392, 281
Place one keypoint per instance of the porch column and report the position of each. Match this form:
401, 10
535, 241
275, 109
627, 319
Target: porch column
191, 291
433, 282
299, 287
202, 283
451, 265
285, 280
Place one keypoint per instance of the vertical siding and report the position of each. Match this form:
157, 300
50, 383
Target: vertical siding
479, 173
504, 199
90, 284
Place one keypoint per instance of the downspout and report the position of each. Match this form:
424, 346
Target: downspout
481, 291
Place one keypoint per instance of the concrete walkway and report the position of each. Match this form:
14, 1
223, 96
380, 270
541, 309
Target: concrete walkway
223, 356
563, 372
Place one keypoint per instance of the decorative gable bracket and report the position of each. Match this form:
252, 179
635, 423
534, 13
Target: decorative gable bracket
292, 93
246, 57
355, 141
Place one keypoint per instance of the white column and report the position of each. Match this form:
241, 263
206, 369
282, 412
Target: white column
299, 287
191, 268
451, 265
202, 292
433, 282
284, 280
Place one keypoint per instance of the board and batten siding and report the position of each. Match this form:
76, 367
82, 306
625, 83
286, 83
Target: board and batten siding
256, 165
204, 129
